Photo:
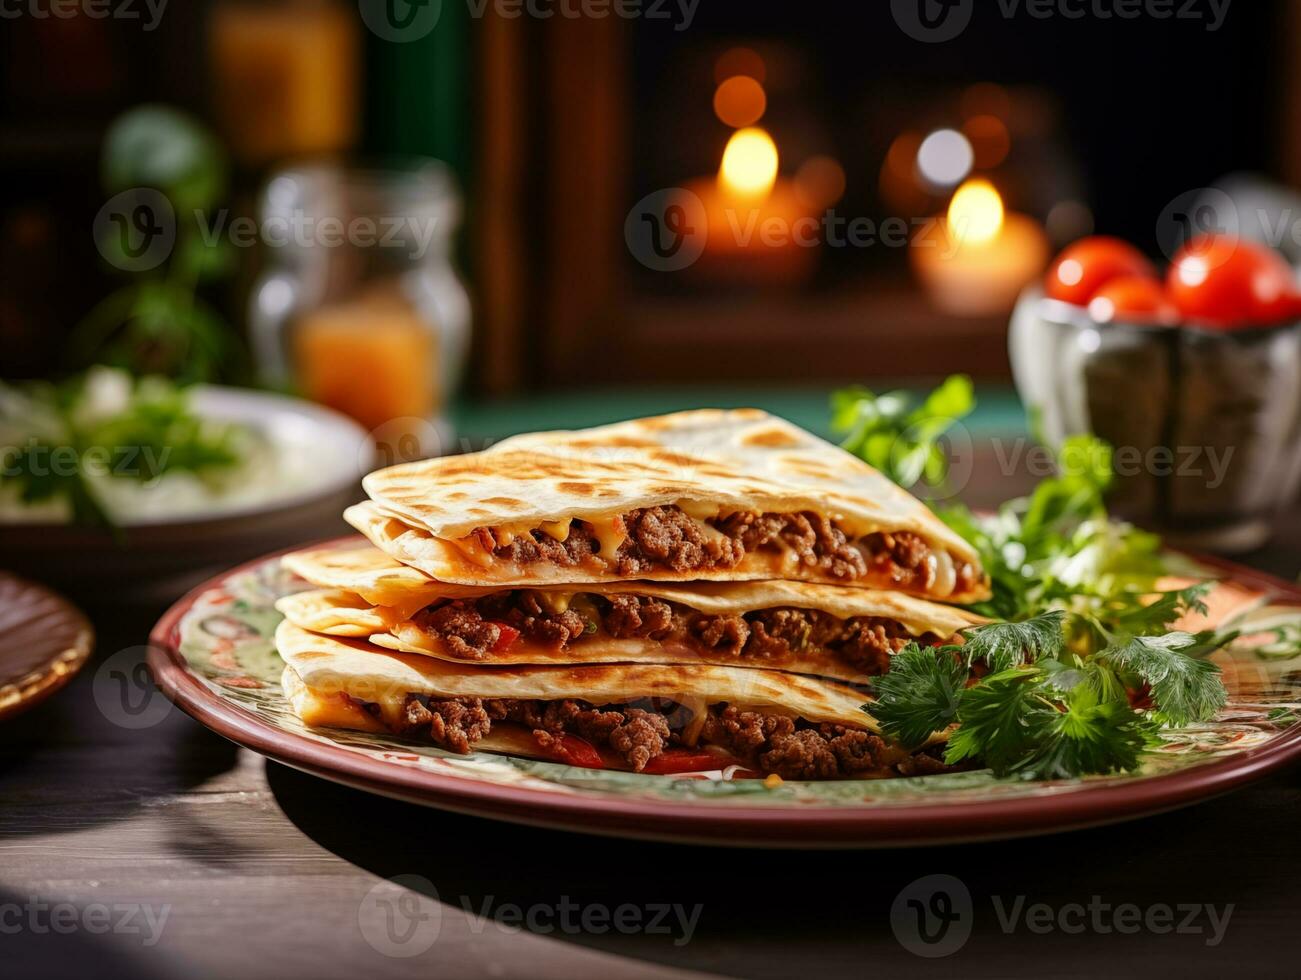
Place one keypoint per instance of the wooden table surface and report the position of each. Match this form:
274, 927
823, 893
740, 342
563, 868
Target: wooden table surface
167, 851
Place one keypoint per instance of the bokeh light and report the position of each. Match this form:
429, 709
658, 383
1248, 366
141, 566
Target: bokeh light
986, 99
1067, 221
749, 163
820, 182
740, 101
944, 158
990, 140
975, 213
739, 61
900, 189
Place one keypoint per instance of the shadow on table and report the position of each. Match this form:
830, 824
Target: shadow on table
69, 763
780, 913
45, 939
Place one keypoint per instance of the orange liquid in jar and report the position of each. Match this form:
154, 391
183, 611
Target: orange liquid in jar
373, 360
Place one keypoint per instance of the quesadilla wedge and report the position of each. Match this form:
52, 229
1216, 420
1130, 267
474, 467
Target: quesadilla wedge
804, 627
628, 716
373, 576
704, 495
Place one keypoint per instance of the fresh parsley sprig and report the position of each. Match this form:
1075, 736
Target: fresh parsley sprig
1042, 711
1080, 669
1002, 646
918, 696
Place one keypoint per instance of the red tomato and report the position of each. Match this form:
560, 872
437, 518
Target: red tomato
506, 636
1087, 265
1231, 283
685, 760
1135, 299
1140, 698
574, 751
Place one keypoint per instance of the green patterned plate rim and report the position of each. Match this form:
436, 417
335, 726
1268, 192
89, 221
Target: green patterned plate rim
213, 654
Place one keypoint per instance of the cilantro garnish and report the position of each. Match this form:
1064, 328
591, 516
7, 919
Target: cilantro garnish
1183, 687
918, 695
1004, 645
1079, 670
1001, 719
1100, 738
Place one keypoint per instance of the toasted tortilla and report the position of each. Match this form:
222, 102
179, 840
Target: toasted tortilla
377, 578
381, 581
327, 667
324, 710
707, 462
337, 612
334, 613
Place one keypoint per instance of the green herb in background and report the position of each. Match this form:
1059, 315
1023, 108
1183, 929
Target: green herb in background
1080, 670
157, 323
896, 434
60, 439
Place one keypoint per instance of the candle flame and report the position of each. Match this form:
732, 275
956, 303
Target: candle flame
975, 213
749, 166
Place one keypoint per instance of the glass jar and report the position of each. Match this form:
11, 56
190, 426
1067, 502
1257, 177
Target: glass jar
359, 306
285, 76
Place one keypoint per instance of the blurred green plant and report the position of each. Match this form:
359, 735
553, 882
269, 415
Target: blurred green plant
63, 439
899, 436
157, 323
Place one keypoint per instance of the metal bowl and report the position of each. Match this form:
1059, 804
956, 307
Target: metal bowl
1206, 424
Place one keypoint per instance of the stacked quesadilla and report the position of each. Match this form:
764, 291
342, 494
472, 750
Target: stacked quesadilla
696, 591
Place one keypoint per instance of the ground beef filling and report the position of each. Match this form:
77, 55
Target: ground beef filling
814, 540
666, 538
471, 630
636, 734
791, 749
767, 743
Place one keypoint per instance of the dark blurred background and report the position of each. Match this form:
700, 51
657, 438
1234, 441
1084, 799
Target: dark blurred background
554, 128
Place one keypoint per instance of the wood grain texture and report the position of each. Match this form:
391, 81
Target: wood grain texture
500, 229
180, 820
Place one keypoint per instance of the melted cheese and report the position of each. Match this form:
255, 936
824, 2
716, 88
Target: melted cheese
945, 577
699, 714
556, 603
610, 532
698, 510
472, 549
559, 530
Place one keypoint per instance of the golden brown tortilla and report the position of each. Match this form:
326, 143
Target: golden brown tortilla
338, 612
707, 462
331, 666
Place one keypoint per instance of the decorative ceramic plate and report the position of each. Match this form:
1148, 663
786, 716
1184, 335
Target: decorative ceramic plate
44, 641
213, 654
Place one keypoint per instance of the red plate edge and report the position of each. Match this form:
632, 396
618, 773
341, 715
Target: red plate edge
791, 826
